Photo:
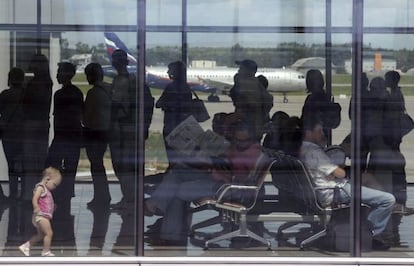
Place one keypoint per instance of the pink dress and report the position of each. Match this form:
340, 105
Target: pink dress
46, 203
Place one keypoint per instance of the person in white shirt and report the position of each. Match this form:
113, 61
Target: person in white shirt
326, 174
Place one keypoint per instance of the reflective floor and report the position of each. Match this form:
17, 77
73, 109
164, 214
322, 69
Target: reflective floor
108, 233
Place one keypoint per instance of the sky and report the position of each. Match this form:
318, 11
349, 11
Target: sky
378, 13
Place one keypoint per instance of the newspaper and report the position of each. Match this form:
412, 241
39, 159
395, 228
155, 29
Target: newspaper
190, 139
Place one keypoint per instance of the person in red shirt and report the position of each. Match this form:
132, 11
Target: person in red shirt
183, 185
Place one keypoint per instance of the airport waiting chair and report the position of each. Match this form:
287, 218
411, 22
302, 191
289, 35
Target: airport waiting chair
234, 201
209, 204
296, 188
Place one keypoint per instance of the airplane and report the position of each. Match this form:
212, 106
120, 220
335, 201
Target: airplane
210, 80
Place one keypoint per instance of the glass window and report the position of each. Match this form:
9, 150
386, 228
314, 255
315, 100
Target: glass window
15, 11
93, 138
94, 12
395, 14
341, 13
256, 13
164, 12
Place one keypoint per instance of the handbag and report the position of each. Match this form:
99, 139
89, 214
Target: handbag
407, 124
198, 109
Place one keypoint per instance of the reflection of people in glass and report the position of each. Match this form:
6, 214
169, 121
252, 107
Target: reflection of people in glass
174, 101
365, 107
250, 98
96, 121
36, 108
395, 109
317, 102
11, 118
100, 228
126, 236
124, 127
65, 148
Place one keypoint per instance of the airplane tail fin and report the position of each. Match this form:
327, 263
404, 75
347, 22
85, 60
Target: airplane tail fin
113, 43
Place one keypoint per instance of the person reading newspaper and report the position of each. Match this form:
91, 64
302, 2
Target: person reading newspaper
198, 180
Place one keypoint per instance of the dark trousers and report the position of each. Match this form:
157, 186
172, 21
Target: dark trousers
123, 146
399, 177
96, 142
13, 151
64, 155
35, 148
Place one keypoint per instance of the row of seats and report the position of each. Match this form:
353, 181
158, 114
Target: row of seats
296, 196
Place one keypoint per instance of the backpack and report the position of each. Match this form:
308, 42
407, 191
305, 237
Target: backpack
338, 231
332, 116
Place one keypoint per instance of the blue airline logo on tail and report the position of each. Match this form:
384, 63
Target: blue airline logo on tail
113, 43
158, 81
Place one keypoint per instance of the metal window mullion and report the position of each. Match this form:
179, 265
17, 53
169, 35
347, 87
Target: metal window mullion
139, 120
328, 54
357, 45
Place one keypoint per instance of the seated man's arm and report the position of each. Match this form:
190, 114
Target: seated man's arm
339, 173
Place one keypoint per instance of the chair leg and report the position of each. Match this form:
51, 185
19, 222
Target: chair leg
286, 226
241, 231
259, 238
312, 238
236, 234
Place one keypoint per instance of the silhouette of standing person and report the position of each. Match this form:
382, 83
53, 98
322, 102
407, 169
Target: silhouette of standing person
36, 110
175, 102
250, 98
65, 148
317, 102
11, 125
96, 121
124, 127
395, 109
365, 106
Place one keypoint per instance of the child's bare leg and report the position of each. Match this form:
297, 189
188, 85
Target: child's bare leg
46, 230
37, 237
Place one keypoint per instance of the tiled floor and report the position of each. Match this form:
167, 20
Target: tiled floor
106, 233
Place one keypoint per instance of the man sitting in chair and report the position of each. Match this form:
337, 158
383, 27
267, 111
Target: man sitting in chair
326, 174
194, 181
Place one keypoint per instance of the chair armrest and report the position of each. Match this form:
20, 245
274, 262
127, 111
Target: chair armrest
228, 188
335, 202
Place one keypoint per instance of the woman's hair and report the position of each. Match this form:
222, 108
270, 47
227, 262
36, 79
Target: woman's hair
392, 77
178, 70
314, 80
263, 80
39, 65
378, 87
